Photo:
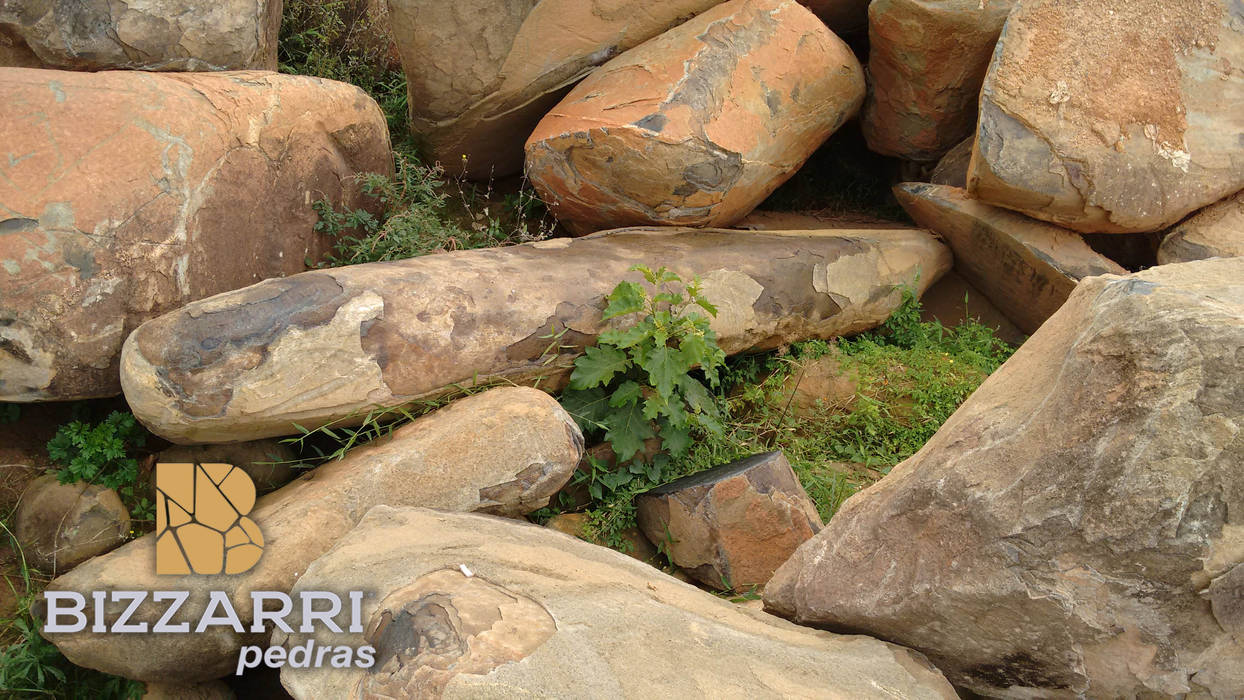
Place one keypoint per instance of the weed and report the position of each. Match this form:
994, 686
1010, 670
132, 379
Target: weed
104, 454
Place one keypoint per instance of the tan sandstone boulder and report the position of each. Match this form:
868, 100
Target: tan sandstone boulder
498, 606
128, 194
62, 525
1076, 529
697, 126
1214, 232
1104, 135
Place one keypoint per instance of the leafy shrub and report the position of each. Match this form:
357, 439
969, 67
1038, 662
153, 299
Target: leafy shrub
103, 454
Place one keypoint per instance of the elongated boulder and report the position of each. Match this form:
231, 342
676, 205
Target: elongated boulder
323, 345
1215, 232
1027, 268
127, 194
480, 73
1107, 136
699, 125
1076, 529
926, 61
158, 35
504, 605
506, 451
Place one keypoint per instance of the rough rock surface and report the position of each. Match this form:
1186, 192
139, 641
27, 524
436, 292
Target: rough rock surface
1109, 136
697, 126
1077, 527
731, 526
952, 169
481, 73
154, 35
214, 690
926, 62
841, 16
505, 605
505, 451
322, 345
62, 525
1214, 232
269, 463
1026, 267
127, 194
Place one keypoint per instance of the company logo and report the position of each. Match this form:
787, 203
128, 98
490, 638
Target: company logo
201, 523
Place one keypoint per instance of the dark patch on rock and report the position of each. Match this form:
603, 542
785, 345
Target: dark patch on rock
14, 349
716, 175
17, 225
653, 122
1019, 669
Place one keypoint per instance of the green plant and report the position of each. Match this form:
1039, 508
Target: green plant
103, 454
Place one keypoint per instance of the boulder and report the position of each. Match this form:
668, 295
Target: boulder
151, 35
841, 16
506, 451
1215, 232
325, 345
62, 525
213, 690
127, 194
269, 463
1076, 529
1026, 267
697, 126
952, 169
480, 73
731, 526
926, 62
498, 605
1101, 135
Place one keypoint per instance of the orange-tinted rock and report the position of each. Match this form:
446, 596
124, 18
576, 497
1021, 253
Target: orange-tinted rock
841, 16
1214, 232
128, 194
697, 126
732, 526
62, 525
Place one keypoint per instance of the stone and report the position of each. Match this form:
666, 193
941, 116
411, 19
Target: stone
927, 60
59, 526
1076, 529
952, 169
150, 35
505, 451
732, 526
699, 125
209, 179
269, 463
505, 605
1026, 267
635, 544
817, 384
330, 344
841, 16
212, 690
480, 74
1106, 136
761, 220
954, 300
1214, 232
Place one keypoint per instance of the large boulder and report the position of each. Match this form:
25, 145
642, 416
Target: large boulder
1214, 232
1076, 529
926, 62
471, 606
62, 525
506, 451
129, 194
1104, 135
697, 126
325, 345
481, 73
155, 35
1026, 267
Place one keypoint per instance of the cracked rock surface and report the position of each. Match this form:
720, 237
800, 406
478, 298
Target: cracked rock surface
1214, 232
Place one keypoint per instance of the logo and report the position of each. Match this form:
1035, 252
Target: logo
201, 523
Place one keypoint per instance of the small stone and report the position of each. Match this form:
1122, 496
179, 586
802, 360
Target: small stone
636, 545
62, 525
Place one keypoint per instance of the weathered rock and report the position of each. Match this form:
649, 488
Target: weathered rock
731, 526
818, 384
62, 525
153, 35
505, 451
480, 74
326, 344
1077, 527
1026, 267
699, 125
575, 524
511, 605
841, 16
1109, 136
1215, 232
269, 463
214, 690
926, 62
952, 169
208, 178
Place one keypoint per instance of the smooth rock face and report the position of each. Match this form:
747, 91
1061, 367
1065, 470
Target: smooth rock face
153, 35
731, 526
1109, 136
506, 451
926, 62
557, 617
127, 194
62, 525
1215, 232
325, 344
481, 73
1026, 267
699, 125
1077, 527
